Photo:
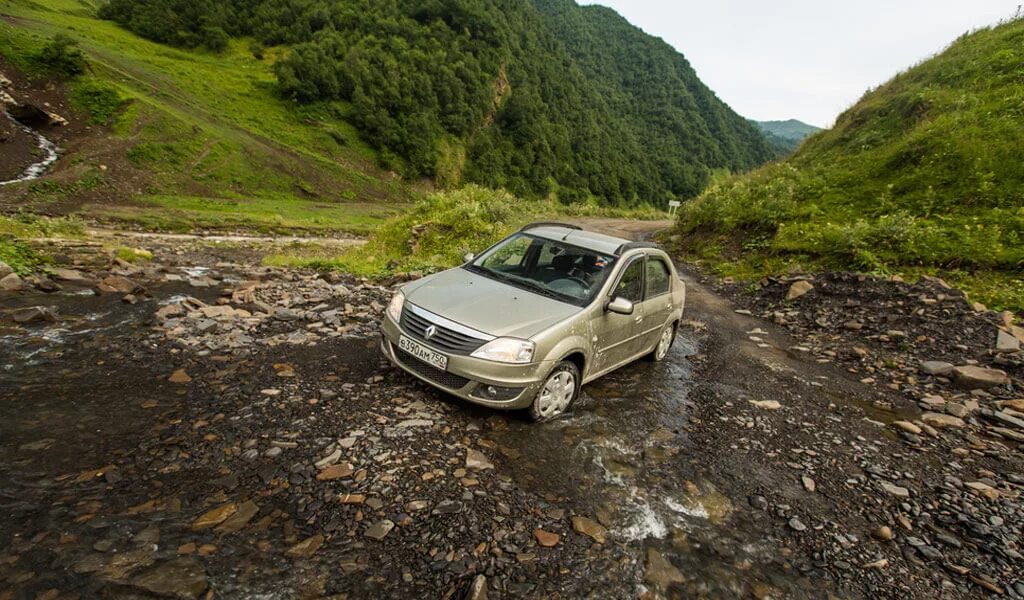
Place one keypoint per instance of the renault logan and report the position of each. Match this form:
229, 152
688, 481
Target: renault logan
542, 312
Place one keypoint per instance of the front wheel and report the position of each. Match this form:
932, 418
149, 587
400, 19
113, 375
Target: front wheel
668, 335
559, 391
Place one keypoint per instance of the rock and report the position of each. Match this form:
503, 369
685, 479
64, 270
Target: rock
477, 461
478, 590
766, 404
33, 314
546, 538
895, 490
809, 484
246, 511
660, 572
797, 525
306, 547
380, 529
907, 426
328, 460
940, 421
882, 534
72, 276
799, 288
590, 528
333, 472
1006, 342
182, 578
11, 283
936, 368
879, 564
214, 517
5, 269
179, 376
116, 284
973, 377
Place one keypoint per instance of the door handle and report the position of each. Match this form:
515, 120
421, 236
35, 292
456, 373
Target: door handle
638, 319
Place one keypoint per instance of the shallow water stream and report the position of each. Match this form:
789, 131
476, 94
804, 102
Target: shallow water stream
48, 148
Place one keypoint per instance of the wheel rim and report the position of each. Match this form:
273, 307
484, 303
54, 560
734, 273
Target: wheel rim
556, 394
665, 343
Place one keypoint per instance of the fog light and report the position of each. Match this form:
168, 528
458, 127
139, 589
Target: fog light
495, 392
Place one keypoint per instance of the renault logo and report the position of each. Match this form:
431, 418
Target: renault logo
430, 332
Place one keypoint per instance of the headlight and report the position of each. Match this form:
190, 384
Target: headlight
507, 350
395, 306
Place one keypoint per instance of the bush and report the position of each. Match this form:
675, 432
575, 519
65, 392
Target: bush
61, 56
99, 99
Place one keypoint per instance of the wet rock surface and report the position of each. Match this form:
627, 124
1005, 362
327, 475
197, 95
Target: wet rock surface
233, 431
940, 478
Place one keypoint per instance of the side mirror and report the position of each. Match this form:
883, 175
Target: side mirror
469, 257
620, 305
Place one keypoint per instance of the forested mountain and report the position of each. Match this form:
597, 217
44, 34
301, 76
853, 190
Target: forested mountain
542, 97
786, 136
924, 172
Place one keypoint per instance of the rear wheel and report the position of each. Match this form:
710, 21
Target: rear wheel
668, 336
558, 392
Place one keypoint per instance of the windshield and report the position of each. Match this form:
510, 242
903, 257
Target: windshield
555, 269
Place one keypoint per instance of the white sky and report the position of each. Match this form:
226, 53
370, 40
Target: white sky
805, 59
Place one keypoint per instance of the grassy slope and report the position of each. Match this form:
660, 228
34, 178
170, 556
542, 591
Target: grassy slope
213, 143
924, 174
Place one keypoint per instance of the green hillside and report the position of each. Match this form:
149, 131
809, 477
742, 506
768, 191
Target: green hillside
786, 136
192, 138
923, 174
541, 97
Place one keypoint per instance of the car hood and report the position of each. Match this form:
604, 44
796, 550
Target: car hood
487, 305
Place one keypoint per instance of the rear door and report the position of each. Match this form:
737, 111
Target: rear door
618, 335
657, 300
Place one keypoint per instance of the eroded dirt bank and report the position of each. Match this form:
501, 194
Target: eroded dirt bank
230, 431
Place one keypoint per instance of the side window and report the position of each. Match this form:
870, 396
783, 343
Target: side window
631, 285
658, 278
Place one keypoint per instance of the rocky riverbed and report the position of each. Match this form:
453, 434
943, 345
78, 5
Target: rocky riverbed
198, 425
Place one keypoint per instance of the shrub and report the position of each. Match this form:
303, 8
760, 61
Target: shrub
99, 99
61, 56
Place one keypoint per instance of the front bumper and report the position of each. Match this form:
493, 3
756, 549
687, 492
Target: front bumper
466, 374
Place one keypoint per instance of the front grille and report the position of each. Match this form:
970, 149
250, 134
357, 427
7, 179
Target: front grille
445, 339
442, 378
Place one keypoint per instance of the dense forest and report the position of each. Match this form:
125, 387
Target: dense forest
541, 97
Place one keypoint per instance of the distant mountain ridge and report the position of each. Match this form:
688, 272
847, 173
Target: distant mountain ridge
786, 136
541, 97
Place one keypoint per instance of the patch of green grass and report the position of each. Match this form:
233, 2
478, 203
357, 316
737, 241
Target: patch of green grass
279, 214
15, 229
198, 123
923, 175
133, 255
437, 232
20, 257
99, 99
33, 226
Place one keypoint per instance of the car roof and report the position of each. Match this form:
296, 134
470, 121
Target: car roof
598, 242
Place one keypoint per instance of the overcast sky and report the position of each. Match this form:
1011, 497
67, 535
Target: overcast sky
805, 59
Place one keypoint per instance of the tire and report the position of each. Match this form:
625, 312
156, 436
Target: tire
555, 396
667, 338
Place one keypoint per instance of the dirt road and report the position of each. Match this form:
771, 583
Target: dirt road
234, 432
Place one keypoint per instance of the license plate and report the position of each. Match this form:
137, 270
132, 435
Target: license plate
423, 353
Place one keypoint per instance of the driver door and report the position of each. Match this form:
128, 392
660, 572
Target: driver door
618, 336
